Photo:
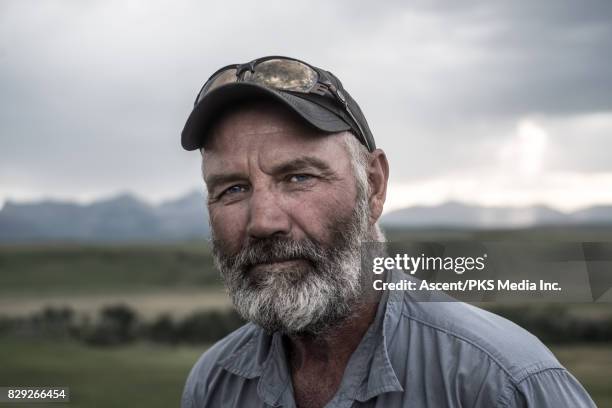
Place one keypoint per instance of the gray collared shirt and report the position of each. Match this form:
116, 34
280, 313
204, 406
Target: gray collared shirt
415, 354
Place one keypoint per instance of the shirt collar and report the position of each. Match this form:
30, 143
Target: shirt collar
381, 377
369, 371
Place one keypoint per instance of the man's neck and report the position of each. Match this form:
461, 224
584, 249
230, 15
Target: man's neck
317, 364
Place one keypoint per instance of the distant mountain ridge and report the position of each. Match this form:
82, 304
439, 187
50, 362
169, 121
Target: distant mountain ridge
460, 215
120, 218
128, 218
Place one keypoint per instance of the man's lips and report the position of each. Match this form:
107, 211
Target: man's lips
273, 265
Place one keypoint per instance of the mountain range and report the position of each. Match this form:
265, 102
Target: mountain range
128, 218
460, 215
120, 218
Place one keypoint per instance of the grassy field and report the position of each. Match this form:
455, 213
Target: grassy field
144, 375
153, 279
102, 269
133, 376
592, 366
148, 304
179, 279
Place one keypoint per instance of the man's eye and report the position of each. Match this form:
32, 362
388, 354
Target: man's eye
299, 178
238, 188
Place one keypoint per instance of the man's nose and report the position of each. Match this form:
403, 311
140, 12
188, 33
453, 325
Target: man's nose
266, 217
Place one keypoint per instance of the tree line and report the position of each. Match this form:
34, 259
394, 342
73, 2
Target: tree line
119, 324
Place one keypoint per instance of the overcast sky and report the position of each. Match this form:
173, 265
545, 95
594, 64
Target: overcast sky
497, 103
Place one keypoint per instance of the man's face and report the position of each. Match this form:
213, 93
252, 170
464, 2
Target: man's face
287, 216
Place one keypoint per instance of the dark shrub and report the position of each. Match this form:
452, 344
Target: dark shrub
117, 325
163, 330
208, 326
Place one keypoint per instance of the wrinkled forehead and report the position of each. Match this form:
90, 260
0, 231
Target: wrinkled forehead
270, 129
257, 117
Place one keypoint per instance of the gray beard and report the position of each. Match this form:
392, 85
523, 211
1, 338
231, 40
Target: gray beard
308, 297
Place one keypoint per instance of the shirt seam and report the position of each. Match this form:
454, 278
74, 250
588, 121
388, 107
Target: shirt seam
228, 363
530, 375
504, 397
376, 392
514, 379
541, 369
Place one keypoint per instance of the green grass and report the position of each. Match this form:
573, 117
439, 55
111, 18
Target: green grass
144, 375
148, 305
53, 269
592, 366
140, 375
159, 277
62, 268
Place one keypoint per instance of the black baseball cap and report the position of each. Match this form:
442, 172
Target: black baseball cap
331, 110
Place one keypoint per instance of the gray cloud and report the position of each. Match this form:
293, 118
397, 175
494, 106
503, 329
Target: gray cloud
94, 94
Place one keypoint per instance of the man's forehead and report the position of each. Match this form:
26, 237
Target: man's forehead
263, 118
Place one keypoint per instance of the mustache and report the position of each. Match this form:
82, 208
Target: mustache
275, 249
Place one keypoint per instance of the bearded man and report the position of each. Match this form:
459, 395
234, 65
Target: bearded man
295, 186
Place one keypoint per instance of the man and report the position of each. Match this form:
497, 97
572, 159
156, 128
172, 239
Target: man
295, 185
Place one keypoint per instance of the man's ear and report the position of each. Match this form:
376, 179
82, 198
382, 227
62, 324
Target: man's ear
378, 176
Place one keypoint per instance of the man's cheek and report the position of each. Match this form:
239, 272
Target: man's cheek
308, 218
315, 217
228, 230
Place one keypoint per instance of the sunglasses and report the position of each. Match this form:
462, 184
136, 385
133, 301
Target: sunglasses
282, 74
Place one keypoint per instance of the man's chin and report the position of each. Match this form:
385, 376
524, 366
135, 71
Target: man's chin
313, 329
288, 318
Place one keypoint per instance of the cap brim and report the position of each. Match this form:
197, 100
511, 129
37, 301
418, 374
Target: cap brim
205, 112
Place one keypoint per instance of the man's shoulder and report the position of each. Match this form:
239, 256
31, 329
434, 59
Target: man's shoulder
491, 360
513, 349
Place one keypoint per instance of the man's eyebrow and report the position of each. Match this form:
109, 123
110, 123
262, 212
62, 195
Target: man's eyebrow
302, 163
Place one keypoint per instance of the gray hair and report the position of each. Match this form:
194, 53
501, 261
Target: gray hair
360, 160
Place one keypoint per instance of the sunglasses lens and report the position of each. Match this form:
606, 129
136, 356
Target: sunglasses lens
286, 75
224, 77
282, 74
